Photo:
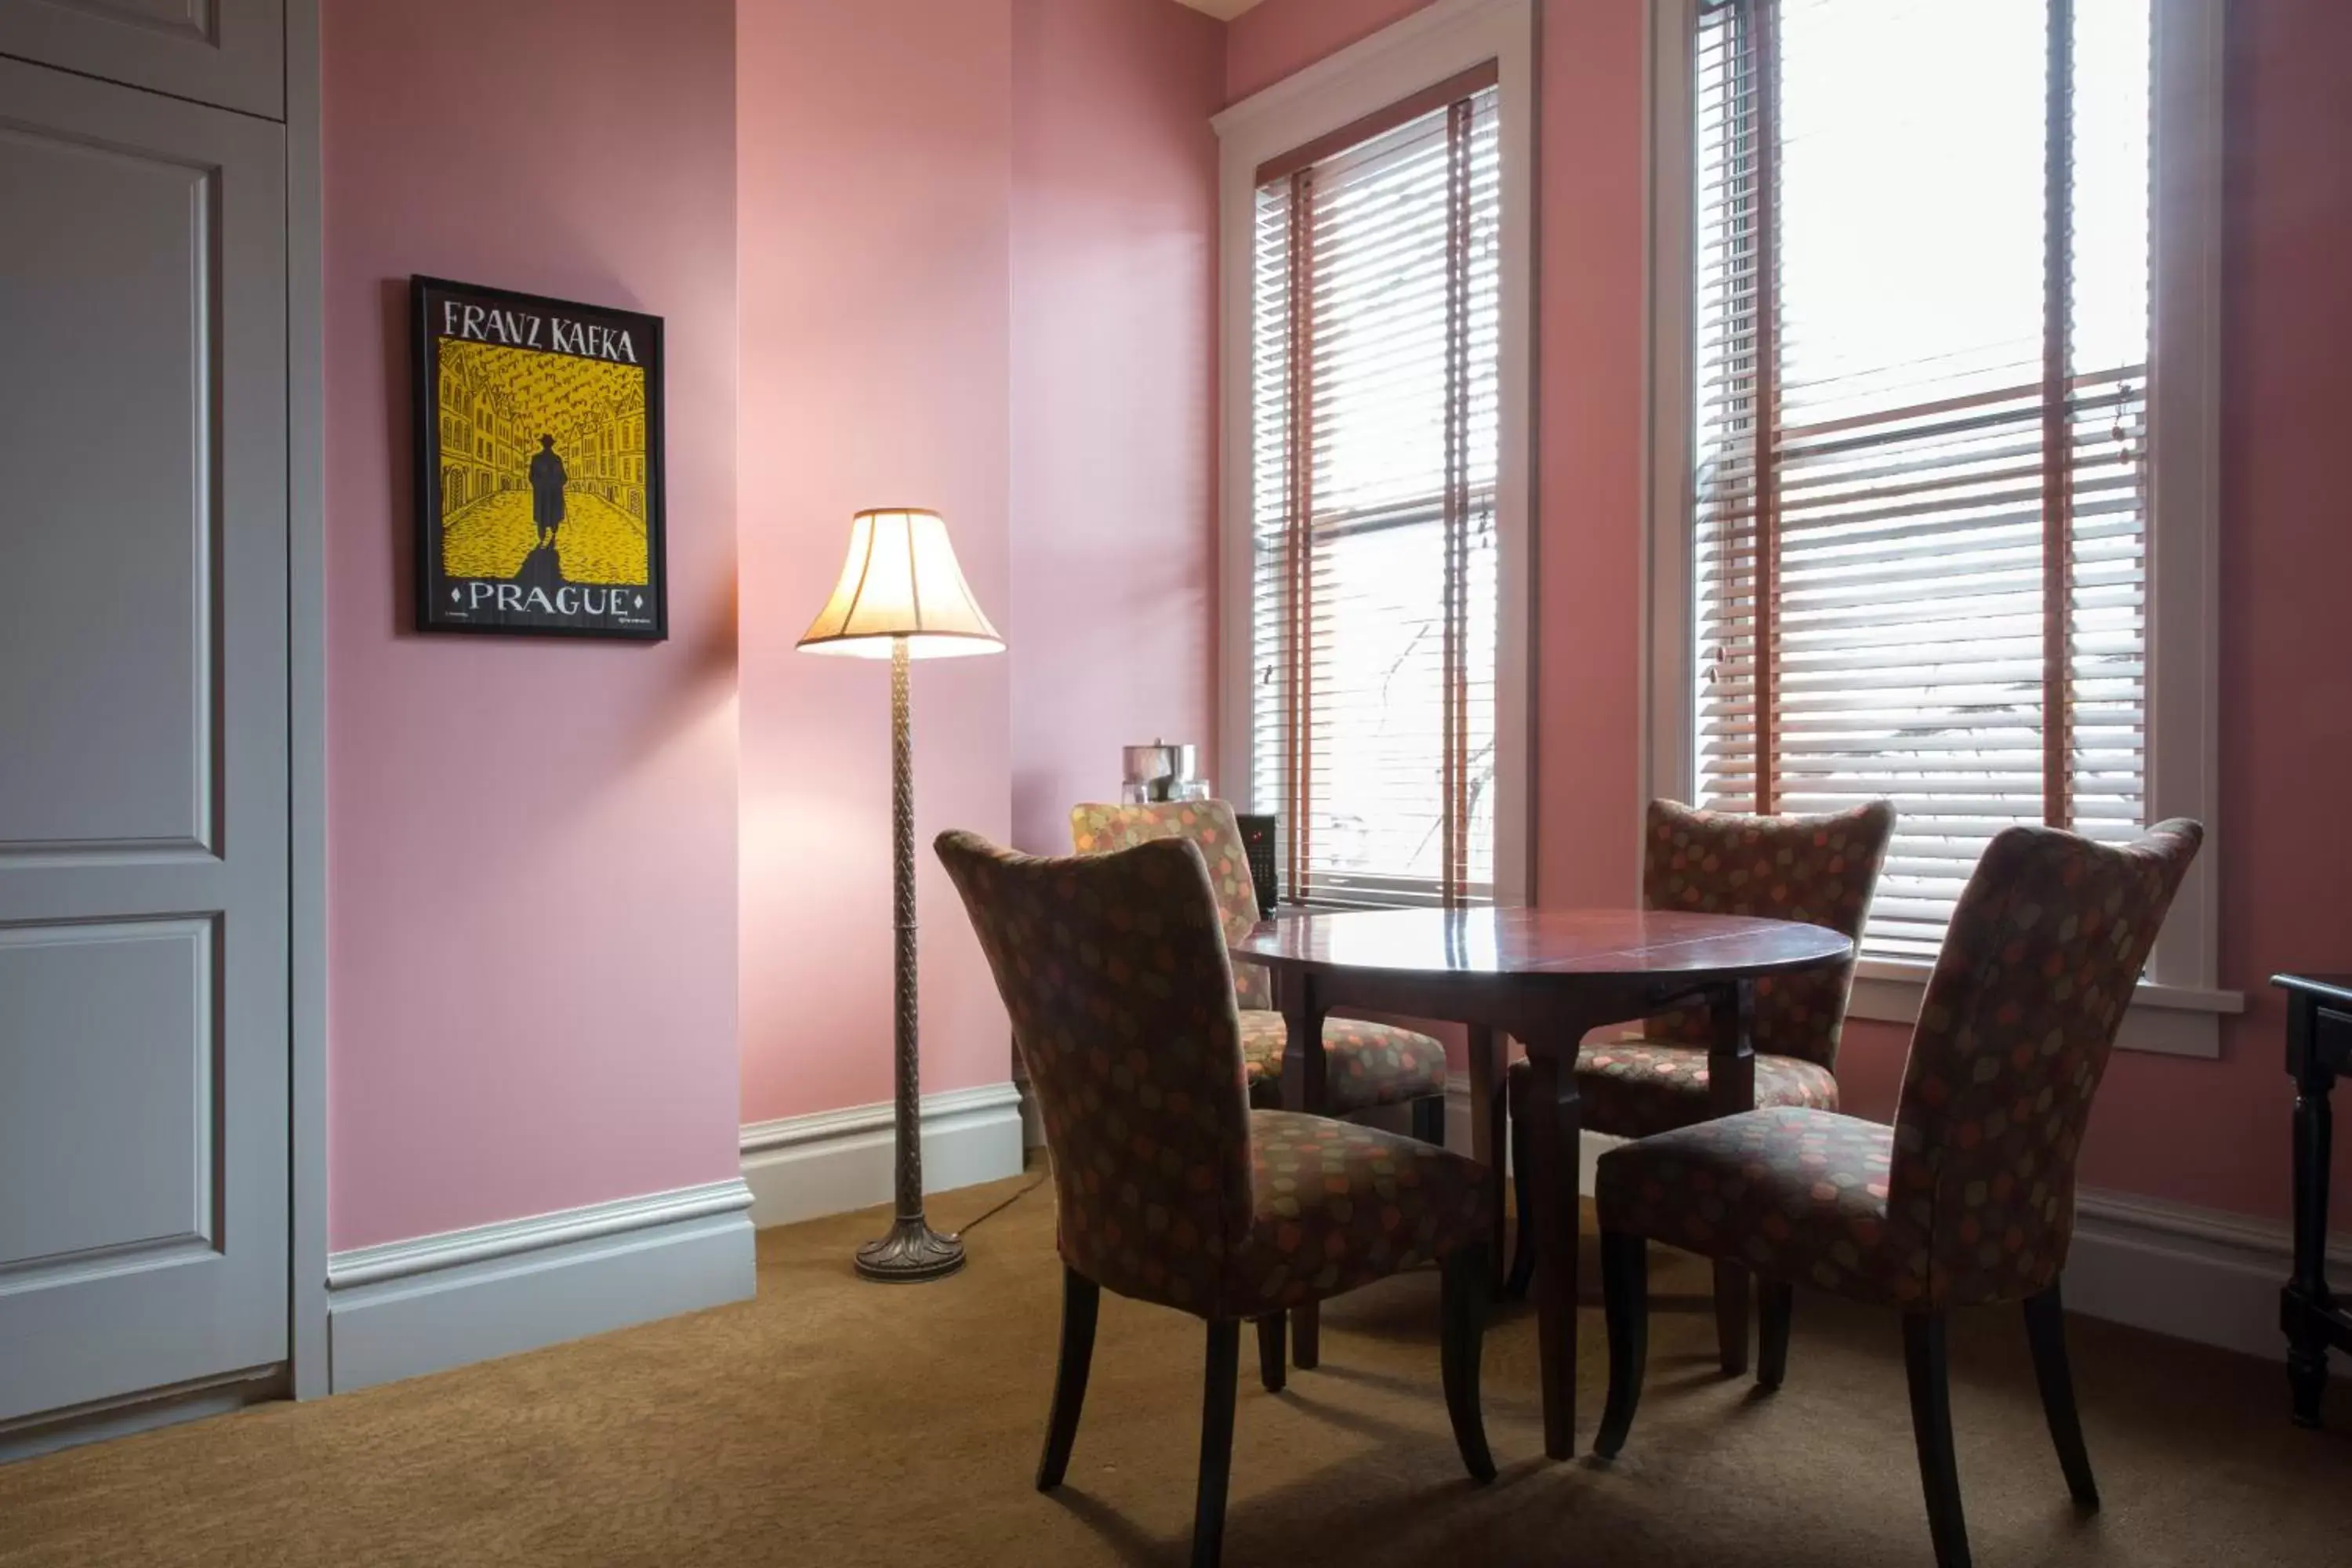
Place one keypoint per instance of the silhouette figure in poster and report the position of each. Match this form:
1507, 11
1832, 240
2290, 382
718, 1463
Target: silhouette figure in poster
547, 480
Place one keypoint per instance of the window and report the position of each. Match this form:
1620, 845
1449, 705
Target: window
1374, 692
1940, 528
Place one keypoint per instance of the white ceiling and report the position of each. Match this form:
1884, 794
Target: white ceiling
1226, 9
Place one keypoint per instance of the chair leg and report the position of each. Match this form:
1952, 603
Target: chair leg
1272, 1354
1429, 1120
1731, 1317
1523, 1193
1216, 1441
1625, 1299
2045, 1330
1931, 1426
1461, 1341
1774, 1300
1081, 1298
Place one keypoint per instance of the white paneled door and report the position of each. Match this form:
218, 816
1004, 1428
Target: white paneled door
143, 797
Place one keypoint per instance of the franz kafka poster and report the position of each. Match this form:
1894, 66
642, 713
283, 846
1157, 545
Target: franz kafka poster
538, 465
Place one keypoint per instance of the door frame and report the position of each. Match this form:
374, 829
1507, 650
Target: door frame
306, 696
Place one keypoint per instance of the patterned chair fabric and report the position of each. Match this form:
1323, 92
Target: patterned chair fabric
1366, 1064
1096, 829
1798, 1195
1369, 1064
1969, 1197
1168, 1187
1820, 870
1340, 1206
1631, 1089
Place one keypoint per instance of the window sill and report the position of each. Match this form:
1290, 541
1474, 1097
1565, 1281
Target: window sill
2170, 1020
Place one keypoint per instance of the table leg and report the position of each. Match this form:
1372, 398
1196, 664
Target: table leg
1303, 1088
1488, 1135
1731, 1089
1555, 1128
2306, 1296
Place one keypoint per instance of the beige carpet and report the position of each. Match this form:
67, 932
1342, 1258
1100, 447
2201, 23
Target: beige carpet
833, 1422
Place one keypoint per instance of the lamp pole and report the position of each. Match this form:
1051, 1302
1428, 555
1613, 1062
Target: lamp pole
912, 1250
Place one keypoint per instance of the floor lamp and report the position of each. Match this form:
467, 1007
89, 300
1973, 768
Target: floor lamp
902, 597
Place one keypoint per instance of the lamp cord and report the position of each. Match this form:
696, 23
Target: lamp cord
1004, 1204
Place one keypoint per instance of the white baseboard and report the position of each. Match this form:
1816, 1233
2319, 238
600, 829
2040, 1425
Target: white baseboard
1033, 1117
831, 1162
406, 1308
2195, 1274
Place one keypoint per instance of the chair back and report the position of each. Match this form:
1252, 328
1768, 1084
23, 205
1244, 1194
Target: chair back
1098, 828
1114, 970
1820, 870
2038, 965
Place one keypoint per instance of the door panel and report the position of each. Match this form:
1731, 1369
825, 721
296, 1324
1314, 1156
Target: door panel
120, 594
112, 1092
143, 982
227, 52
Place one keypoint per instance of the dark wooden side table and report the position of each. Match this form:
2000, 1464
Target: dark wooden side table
2318, 1048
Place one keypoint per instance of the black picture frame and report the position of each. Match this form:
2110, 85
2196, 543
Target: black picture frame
514, 379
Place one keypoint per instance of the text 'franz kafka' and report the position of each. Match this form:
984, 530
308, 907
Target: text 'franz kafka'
530, 330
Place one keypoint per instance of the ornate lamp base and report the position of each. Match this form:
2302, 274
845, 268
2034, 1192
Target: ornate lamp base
912, 1251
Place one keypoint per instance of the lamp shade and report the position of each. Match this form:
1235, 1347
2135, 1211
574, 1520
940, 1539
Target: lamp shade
900, 580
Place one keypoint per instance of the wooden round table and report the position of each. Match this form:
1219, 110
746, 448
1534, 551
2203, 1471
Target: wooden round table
1546, 976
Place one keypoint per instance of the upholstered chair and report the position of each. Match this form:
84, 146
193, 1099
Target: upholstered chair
1968, 1198
1169, 1188
1367, 1064
1820, 870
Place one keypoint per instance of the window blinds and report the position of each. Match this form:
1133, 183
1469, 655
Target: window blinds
1922, 333
1373, 595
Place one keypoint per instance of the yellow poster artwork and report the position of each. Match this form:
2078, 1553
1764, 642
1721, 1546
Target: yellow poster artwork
539, 465
542, 451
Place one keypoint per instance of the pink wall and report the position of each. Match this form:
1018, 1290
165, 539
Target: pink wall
874, 158
532, 897
2209, 1133
1277, 38
994, 298
537, 1005
1113, 357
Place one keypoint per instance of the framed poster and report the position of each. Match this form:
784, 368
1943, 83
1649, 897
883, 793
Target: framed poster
538, 465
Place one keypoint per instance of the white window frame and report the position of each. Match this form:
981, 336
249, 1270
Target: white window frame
2177, 1008
1441, 40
